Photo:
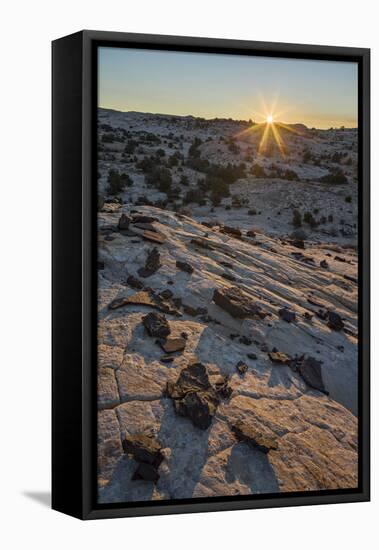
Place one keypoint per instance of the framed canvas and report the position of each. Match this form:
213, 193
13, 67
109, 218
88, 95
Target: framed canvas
210, 274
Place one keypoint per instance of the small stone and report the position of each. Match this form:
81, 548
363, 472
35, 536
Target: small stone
252, 356
123, 222
189, 310
156, 325
166, 359
297, 243
245, 341
228, 276
170, 345
251, 233
237, 303
335, 321
324, 264
241, 368
134, 282
233, 231
227, 264
287, 315
152, 264
279, 357
166, 294
184, 266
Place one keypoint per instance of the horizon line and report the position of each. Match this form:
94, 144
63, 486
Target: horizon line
227, 118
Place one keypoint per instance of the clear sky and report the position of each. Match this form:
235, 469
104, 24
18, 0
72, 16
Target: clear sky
315, 93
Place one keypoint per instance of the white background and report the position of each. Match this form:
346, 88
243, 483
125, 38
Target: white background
26, 31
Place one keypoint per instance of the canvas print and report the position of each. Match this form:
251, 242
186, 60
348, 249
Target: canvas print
227, 263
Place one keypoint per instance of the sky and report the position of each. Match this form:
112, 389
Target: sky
319, 94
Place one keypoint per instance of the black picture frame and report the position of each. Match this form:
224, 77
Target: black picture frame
74, 90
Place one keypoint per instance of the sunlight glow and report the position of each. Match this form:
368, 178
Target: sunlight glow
269, 119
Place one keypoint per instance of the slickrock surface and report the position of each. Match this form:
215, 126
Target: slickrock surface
267, 430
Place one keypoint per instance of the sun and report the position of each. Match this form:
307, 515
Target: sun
269, 119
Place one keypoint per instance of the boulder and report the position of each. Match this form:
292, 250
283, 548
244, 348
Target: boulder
195, 397
156, 325
237, 303
310, 370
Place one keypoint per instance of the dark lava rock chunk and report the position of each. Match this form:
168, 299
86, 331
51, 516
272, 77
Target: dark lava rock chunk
166, 294
156, 325
252, 356
134, 282
255, 437
184, 266
237, 303
195, 397
287, 315
324, 264
241, 368
310, 370
335, 321
143, 448
233, 231
146, 472
123, 222
152, 264
228, 276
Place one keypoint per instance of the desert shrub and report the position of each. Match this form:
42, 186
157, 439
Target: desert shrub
348, 199
336, 176
108, 138
117, 182
198, 164
159, 177
233, 147
290, 175
330, 218
130, 146
307, 156
147, 164
309, 219
193, 195
258, 171
184, 180
296, 218
160, 152
194, 150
